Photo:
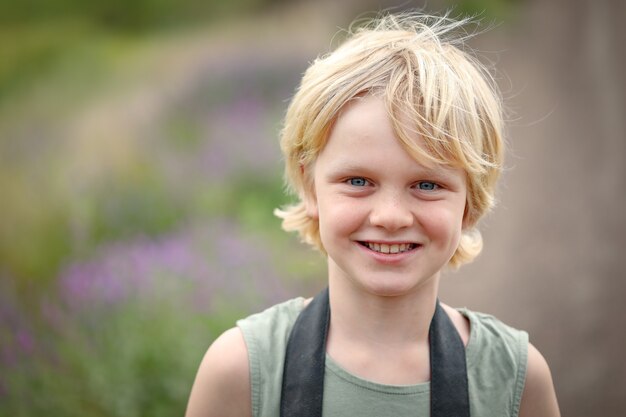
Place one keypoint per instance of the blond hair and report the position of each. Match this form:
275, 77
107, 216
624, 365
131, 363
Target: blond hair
417, 65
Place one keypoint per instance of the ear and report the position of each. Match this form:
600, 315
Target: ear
467, 222
309, 198
310, 204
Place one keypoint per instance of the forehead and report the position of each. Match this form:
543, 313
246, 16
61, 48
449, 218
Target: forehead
369, 115
365, 137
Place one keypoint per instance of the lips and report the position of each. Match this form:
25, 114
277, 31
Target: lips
389, 248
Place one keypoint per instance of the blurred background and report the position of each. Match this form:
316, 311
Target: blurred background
139, 167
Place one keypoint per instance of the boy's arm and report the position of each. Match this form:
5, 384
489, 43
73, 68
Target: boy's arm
539, 398
222, 385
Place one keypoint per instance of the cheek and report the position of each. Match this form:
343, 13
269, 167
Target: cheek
336, 218
444, 224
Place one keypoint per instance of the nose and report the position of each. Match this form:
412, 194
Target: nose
391, 212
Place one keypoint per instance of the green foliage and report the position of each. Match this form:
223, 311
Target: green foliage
30, 50
138, 359
122, 209
88, 189
490, 9
135, 15
252, 200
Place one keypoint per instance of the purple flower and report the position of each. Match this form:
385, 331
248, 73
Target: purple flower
195, 265
241, 134
25, 341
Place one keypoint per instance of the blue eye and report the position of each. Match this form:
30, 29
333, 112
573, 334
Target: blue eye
357, 182
427, 186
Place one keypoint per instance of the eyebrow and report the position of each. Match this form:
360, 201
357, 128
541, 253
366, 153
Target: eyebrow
346, 167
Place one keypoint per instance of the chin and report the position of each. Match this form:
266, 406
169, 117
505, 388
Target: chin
395, 287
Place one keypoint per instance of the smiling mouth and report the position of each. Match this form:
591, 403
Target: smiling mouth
387, 248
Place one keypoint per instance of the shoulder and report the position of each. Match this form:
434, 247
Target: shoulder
231, 376
488, 332
265, 337
275, 322
496, 363
502, 352
539, 397
461, 322
222, 385
493, 341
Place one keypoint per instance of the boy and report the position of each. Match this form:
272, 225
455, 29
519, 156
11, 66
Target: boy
394, 144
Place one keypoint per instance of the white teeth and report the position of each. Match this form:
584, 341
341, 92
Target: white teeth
386, 248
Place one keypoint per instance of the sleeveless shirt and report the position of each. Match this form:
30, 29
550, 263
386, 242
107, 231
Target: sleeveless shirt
496, 357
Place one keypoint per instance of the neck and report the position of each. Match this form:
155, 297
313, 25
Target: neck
367, 318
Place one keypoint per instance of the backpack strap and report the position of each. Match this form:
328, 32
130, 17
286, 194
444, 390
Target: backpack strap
303, 375
305, 359
448, 369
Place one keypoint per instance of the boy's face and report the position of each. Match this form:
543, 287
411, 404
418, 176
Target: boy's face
388, 223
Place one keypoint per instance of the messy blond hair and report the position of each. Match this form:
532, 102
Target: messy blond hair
418, 65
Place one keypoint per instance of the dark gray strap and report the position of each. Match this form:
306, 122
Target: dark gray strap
448, 370
303, 375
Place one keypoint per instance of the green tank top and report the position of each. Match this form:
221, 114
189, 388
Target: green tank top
496, 369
